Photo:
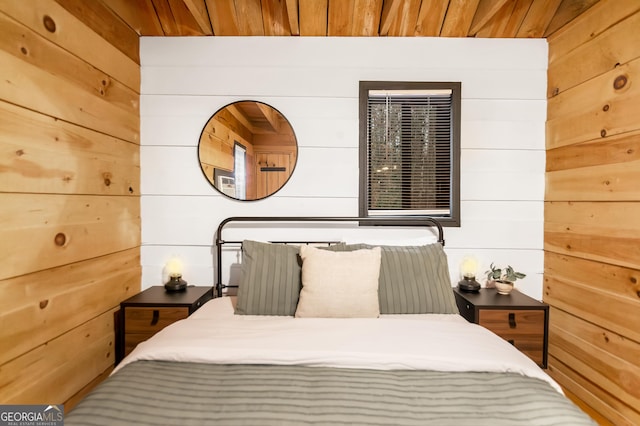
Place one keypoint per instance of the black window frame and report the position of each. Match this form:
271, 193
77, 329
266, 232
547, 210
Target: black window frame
451, 220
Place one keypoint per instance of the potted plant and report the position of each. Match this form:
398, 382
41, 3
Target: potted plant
502, 279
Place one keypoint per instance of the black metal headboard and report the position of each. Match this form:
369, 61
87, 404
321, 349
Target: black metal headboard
392, 221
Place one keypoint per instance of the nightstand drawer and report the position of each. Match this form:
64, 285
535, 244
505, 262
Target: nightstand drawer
525, 329
143, 315
151, 320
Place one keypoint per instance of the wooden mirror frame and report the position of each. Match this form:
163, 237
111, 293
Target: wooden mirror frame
270, 150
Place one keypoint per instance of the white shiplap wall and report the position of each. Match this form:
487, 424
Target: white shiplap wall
314, 83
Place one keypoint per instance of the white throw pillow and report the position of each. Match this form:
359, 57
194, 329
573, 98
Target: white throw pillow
339, 284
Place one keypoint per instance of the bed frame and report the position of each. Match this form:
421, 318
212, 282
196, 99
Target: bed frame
421, 221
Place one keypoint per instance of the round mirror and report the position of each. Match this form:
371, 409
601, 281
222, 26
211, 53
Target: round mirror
247, 150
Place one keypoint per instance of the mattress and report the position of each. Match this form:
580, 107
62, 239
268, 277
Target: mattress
224, 369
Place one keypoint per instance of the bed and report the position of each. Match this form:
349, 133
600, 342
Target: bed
328, 333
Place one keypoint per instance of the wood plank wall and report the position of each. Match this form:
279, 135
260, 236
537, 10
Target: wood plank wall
70, 196
592, 210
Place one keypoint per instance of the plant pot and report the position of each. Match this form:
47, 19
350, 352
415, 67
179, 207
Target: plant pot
503, 287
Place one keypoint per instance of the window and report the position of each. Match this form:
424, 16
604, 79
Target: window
410, 150
240, 170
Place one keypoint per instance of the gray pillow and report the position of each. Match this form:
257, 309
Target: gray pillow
413, 280
270, 282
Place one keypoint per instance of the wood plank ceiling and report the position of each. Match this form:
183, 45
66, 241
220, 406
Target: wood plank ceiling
370, 18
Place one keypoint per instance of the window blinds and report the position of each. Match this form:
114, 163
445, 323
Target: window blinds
409, 158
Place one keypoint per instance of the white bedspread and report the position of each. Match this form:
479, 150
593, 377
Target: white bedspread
214, 334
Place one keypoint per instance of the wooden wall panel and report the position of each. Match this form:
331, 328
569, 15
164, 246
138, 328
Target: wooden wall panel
44, 154
46, 230
617, 46
37, 89
592, 210
65, 30
69, 186
55, 371
606, 105
45, 304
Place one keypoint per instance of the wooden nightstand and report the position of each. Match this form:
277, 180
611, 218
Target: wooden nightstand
517, 318
148, 312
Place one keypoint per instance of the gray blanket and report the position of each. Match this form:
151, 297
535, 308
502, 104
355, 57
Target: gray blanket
168, 393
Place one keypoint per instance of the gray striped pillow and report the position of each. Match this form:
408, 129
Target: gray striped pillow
413, 280
270, 282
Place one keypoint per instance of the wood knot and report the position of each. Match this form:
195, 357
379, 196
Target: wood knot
60, 239
49, 23
605, 108
607, 183
44, 303
633, 280
606, 338
620, 82
130, 190
603, 133
20, 152
24, 50
556, 91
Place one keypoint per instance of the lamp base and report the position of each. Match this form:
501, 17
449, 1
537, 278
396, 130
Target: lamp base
175, 283
469, 284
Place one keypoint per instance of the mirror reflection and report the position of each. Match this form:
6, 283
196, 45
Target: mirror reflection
247, 150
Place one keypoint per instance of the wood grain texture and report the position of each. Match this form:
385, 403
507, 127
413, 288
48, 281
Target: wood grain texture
35, 88
431, 17
603, 294
55, 371
70, 403
69, 119
613, 375
606, 232
42, 53
538, 18
591, 24
606, 407
104, 22
44, 155
567, 10
313, 17
138, 14
45, 304
613, 150
620, 45
74, 36
592, 258
458, 20
44, 230
604, 106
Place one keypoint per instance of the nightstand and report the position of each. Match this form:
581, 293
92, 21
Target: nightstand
517, 318
146, 313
